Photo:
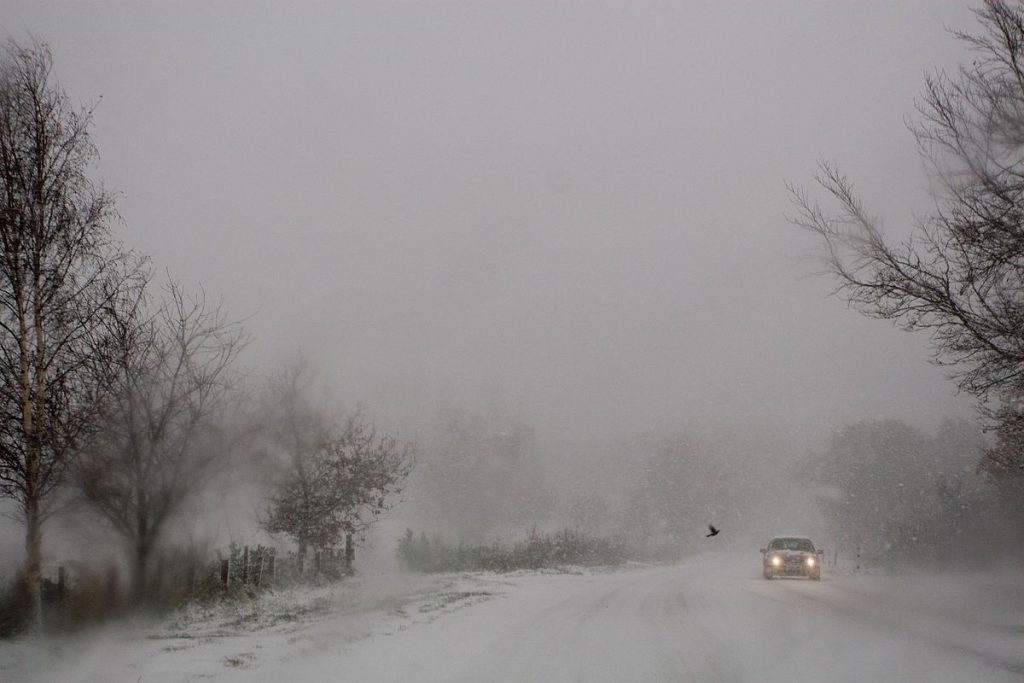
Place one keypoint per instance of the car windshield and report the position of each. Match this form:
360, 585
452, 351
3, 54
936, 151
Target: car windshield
792, 544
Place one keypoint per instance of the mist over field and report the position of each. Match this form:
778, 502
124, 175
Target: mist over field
409, 318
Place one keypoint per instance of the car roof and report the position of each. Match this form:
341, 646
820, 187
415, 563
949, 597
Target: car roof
795, 536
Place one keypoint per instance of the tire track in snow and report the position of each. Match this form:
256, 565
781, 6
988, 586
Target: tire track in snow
920, 626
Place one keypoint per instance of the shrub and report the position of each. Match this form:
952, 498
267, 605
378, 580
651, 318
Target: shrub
536, 551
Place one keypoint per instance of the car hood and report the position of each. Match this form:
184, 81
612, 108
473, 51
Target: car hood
791, 554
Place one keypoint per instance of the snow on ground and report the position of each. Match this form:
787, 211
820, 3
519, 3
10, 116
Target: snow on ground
711, 618
204, 642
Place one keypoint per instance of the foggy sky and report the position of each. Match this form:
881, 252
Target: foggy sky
569, 212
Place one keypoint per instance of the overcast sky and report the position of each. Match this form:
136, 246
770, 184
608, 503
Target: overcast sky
572, 212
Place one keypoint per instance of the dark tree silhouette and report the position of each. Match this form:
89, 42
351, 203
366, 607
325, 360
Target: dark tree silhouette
333, 481
960, 274
60, 276
158, 432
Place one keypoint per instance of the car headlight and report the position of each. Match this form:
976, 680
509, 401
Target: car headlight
776, 560
810, 561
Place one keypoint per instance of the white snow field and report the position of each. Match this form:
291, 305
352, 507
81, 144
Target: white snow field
709, 619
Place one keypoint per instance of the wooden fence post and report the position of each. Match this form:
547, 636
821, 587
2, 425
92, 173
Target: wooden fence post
350, 554
245, 565
225, 572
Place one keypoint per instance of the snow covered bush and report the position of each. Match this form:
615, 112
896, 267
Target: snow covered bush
536, 551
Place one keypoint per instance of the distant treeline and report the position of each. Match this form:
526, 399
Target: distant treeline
537, 551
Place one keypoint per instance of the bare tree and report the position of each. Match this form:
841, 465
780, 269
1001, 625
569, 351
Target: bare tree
480, 476
158, 432
334, 481
960, 274
60, 274
885, 486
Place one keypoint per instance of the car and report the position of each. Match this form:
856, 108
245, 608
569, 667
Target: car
791, 556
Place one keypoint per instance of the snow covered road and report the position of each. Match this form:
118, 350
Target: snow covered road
706, 620
710, 619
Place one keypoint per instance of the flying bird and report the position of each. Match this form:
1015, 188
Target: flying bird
713, 530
